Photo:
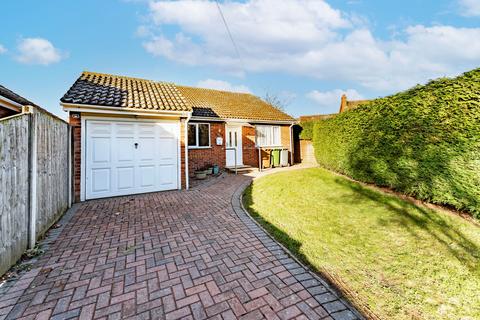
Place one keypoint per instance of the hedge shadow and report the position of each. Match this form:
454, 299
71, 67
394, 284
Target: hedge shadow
424, 142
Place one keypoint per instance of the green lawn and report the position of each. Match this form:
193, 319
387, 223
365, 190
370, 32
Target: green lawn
401, 260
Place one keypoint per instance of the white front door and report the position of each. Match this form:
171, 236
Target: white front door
233, 135
128, 157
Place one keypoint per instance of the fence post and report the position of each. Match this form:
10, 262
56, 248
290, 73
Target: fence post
70, 166
32, 177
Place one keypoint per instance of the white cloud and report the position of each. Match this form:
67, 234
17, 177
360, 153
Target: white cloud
2, 49
426, 53
222, 85
308, 37
38, 51
470, 8
330, 100
268, 28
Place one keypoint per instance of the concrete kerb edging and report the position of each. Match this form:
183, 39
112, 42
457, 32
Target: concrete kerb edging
240, 210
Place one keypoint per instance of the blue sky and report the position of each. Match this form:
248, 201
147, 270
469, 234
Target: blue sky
308, 52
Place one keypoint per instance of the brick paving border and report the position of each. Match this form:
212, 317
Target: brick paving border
279, 250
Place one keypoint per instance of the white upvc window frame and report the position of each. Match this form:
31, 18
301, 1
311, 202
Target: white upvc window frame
275, 141
196, 146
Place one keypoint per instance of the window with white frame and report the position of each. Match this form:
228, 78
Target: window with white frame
198, 135
268, 136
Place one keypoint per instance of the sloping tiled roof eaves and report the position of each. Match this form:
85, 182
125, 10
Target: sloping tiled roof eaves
124, 92
104, 90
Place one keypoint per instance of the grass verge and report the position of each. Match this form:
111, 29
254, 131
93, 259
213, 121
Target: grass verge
401, 260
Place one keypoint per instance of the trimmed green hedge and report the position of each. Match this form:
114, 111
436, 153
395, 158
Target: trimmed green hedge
424, 142
307, 130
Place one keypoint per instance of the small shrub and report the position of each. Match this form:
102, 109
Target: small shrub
33, 252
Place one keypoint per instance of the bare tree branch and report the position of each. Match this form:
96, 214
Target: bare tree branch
278, 102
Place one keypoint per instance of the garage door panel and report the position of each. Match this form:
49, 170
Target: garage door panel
100, 128
167, 130
147, 176
147, 148
100, 181
167, 175
125, 149
101, 150
167, 149
125, 178
116, 167
147, 129
124, 129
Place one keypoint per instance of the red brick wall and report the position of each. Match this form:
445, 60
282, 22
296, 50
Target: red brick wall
183, 178
76, 124
285, 139
250, 153
199, 158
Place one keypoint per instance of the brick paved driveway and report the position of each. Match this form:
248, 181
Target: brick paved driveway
181, 254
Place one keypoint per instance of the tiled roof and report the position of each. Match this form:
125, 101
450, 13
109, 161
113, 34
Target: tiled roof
352, 104
315, 117
346, 105
204, 112
118, 91
232, 105
124, 92
9, 94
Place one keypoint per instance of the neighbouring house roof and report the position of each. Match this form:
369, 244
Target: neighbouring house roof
10, 95
346, 105
315, 117
105, 90
231, 105
8, 108
352, 104
125, 92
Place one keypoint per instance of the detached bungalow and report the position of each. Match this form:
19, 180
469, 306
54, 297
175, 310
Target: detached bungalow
134, 135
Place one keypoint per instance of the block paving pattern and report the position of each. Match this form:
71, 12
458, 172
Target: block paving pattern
170, 255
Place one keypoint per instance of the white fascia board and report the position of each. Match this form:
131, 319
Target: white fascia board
207, 119
241, 121
252, 121
124, 111
8, 104
290, 122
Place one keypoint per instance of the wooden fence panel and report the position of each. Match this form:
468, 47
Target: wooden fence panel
14, 189
52, 169
34, 180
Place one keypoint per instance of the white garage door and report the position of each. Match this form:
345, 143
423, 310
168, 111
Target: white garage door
127, 157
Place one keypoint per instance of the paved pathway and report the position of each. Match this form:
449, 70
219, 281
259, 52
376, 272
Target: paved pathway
170, 255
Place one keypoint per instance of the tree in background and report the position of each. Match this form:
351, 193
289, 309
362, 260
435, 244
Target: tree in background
279, 101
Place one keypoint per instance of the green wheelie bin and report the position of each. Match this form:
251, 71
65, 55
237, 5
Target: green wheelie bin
275, 158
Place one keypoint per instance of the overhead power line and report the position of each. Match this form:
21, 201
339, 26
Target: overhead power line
229, 33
